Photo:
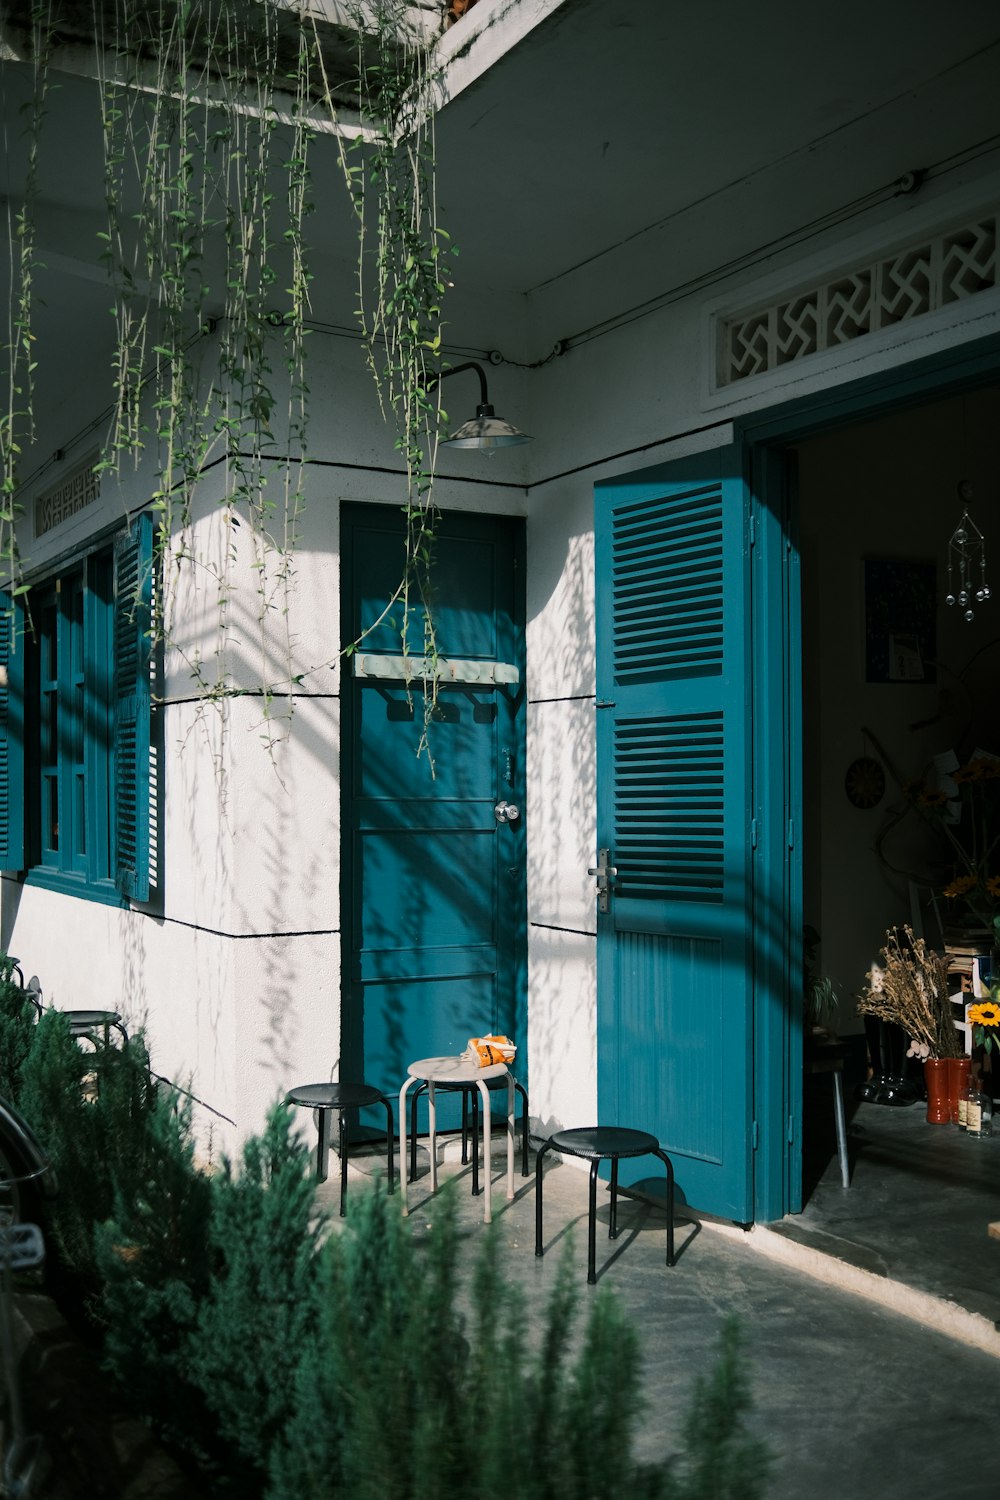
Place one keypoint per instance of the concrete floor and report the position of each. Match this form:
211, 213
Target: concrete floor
917, 1210
875, 1392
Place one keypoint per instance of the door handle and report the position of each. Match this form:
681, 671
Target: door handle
506, 812
605, 872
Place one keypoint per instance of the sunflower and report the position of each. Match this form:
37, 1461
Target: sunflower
993, 887
984, 1020
960, 887
930, 798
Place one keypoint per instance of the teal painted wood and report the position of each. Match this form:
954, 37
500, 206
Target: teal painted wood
777, 853
133, 570
434, 887
778, 1185
674, 769
973, 364
12, 652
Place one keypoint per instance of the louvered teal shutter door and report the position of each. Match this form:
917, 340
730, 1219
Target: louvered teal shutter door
132, 697
674, 987
12, 646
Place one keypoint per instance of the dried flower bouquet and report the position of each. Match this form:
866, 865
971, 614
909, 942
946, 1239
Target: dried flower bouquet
910, 988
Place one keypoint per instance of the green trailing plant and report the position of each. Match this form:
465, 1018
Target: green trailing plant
404, 270
209, 110
198, 336
17, 414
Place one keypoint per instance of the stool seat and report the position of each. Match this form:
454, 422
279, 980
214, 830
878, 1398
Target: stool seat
81, 1023
85, 1023
454, 1071
334, 1095
597, 1143
341, 1096
603, 1141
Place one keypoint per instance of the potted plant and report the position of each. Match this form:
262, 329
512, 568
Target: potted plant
821, 1000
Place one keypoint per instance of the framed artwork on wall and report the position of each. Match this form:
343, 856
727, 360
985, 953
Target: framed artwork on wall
900, 620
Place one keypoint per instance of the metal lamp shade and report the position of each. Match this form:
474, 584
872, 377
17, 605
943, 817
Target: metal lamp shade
487, 431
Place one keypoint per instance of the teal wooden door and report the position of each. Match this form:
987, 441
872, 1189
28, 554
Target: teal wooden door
433, 895
674, 812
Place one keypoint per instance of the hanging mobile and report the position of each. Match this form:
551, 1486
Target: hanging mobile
966, 549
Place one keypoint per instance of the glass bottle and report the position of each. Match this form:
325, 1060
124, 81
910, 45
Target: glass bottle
963, 1104
978, 1110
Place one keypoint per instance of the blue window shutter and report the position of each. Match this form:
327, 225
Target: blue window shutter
12, 646
132, 651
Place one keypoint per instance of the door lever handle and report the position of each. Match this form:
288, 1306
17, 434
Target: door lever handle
605, 872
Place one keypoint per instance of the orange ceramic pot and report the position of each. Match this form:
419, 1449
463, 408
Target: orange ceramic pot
936, 1077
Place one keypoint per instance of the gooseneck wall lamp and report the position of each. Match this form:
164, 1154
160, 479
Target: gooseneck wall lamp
485, 430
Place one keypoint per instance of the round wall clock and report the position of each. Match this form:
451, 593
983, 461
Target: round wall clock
864, 782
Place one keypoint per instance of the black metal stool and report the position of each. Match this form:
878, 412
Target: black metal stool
597, 1143
469, 1091
323, 1097
95, 1026
83, 1024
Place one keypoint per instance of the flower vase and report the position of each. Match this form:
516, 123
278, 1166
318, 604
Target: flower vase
936, 1077
959, 1069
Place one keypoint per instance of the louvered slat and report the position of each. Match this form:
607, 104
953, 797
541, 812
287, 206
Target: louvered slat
669, 806
667, 587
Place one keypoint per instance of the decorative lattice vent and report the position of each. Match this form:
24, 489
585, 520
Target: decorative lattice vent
58, 504
947, 268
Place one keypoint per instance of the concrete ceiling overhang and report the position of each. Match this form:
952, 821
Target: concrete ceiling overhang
621, 145
595, 155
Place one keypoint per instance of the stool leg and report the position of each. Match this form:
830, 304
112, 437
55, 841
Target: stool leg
613, 1228
402, 1144
524, 1127
413, 1130
487, 1161
838, 1115
592, 1227
511, 1131
465, 1127
539, 1249
323, 1148
343, 1160
390, 1141
475, 1139
432, 1128
670, 1205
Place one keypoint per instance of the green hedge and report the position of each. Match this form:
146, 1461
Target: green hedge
290, 1358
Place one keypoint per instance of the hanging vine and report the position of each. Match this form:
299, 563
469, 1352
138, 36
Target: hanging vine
208, 117
17, 415
390, 171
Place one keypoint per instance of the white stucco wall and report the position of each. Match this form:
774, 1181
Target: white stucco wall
238, 978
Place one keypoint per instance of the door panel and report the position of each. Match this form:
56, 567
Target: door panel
674, 809
434, 885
